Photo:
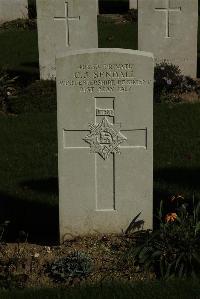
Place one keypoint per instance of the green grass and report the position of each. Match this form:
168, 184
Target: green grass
112, 35
28, 152
28, 159
28, 172
148, 290
19, 53
176, 150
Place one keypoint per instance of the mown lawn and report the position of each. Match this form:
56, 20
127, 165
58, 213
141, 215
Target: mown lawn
19, 53
28, 159
28, 152
143, 290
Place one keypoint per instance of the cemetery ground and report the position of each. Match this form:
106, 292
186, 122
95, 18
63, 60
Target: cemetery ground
29, 185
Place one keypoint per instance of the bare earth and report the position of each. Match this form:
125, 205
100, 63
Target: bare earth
27, 264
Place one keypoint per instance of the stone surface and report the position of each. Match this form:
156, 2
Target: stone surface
105, 130
133, 4
13, 9
63, 26
168, 29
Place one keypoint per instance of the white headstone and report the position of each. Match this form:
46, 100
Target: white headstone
133, 4
64, 25
168, 29
13, 9
105, 130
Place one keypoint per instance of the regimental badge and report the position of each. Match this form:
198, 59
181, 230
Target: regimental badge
104, 138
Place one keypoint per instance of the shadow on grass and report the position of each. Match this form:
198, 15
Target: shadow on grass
173, 289
40, 220
49, 186
188, 178
26, 73
185, 181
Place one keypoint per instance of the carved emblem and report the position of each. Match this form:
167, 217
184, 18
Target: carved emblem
104, 138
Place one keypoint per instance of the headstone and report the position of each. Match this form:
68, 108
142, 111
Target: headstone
105, 129
168, 29
13, 9
63, 26
133, 4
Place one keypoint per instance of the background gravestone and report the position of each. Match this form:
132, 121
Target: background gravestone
105, 129
168, 29
13, 9
133, 4
63, 26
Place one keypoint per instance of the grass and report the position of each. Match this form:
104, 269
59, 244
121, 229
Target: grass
28, 159
156, 290
28, 152
19, 53
28, 186
176, 150
112, 35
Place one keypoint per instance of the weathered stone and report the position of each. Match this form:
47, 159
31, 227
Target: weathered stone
105, 130
13, 9
63, 26
168, 29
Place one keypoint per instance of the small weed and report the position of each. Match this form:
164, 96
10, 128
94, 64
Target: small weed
75, 265
7, 89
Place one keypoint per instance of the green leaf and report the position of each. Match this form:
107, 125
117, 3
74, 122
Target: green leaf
178, 260
196, 257
197, 227
180, 272
169, 267
156, 254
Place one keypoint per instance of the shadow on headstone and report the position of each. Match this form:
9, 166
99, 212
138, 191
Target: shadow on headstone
38, 219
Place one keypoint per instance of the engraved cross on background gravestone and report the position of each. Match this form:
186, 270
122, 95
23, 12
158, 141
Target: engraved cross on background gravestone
67, 20
167, 12
105, 164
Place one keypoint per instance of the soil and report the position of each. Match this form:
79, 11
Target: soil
27, 265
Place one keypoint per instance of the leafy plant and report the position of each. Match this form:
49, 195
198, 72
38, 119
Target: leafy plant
169, 83
174, 249
3, 227
7, 88
76, 264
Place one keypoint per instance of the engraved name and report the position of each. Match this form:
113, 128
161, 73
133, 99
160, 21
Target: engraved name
104, 78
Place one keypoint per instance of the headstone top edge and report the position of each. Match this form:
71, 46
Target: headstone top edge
105, 50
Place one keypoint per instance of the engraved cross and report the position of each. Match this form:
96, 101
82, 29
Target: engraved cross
67, 20
105, 167
167, 10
